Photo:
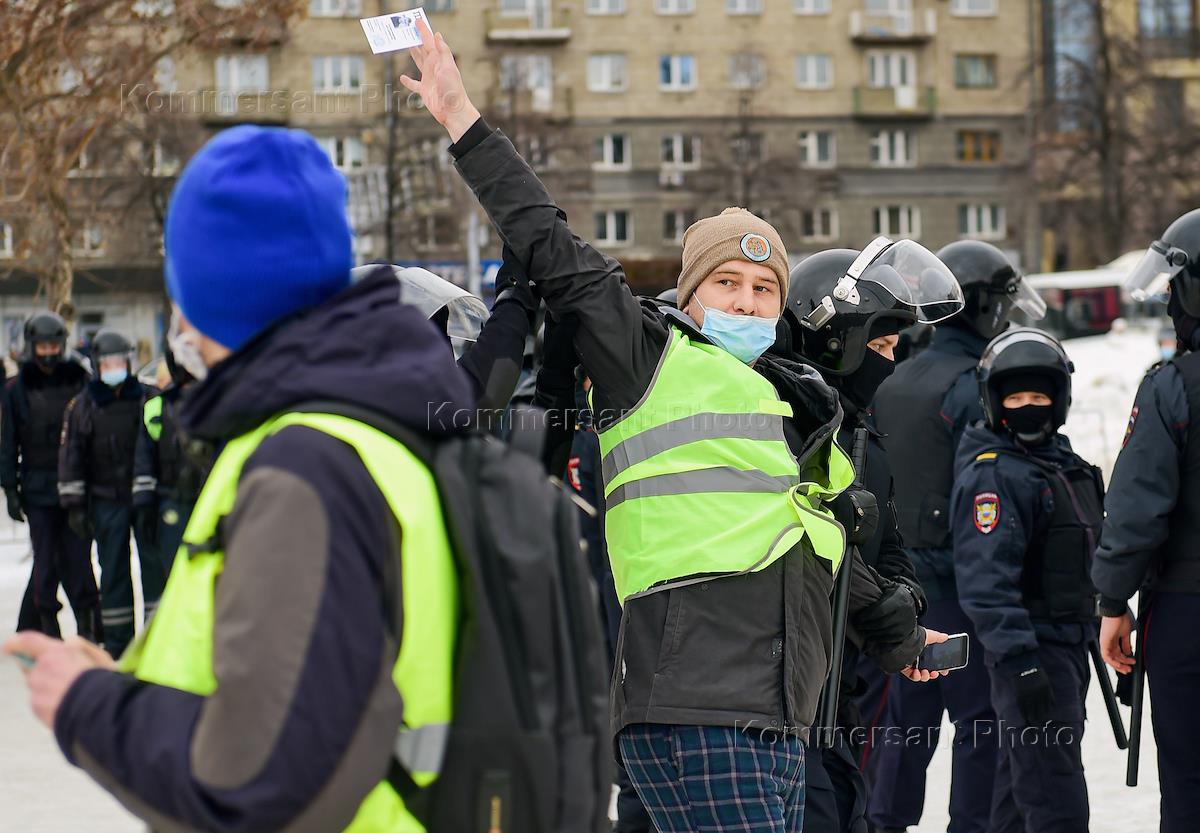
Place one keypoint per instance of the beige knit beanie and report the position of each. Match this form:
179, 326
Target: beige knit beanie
734, 234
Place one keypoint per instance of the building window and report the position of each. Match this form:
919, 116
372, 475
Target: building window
974, 8
345, 152
978, 146
891, 68
335, 8
239, 75
898, 221
613, 228
812, 6
606, 7
681, 151
439, 5
747, 72
744, 6
893, 149
819, 224
676, 73
1165, 18
606, 73
675, 6
88, 241
974, 71
526, 72
516, 7
817, 149
982, 221
337, 73
163, 160
164, 75
6, 239
611, 153
230, 4
675, 223
154, 8
747, 149
814, 72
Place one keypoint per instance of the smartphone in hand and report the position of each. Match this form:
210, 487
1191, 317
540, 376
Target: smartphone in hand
945, 656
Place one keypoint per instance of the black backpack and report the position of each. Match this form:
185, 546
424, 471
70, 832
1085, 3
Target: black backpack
529, 749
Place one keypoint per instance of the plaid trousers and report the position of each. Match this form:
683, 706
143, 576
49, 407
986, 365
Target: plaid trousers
716, 779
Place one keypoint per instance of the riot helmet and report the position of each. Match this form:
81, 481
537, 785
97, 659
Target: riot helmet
991, 287
456, 312
109, 344
669, 297
839, 300
1173, 260
1025, 359
45, 328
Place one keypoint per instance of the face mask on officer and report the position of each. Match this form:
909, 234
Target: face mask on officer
878, 363
114, 370
737, 307
47, 355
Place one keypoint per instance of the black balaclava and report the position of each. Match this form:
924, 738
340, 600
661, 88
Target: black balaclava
47, 363
1032, 424
860, 386
1185, 324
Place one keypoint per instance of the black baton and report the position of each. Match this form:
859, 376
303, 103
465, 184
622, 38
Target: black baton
1110, 698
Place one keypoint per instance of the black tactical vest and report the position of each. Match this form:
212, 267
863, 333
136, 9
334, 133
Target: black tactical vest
1056, 583
115, 429
1179, 565
170, 455
908, 409
40, 430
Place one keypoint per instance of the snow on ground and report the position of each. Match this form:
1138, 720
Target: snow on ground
41, 793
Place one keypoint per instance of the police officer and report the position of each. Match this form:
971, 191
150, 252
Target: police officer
1026, 512
853, 350
166, 477
1151, 534
926, 405
95, 484
34, 402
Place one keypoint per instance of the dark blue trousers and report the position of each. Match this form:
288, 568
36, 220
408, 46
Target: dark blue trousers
1173, 669
1040, 786
111, 521
903, 752
716, 779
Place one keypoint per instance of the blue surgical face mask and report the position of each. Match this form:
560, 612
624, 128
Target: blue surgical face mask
745, 337
113, 378
1167, 353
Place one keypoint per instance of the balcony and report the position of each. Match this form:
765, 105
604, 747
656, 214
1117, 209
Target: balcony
895, 102
548, 104
540, 25
223, 107
914, 27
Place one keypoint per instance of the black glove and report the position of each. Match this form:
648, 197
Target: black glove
81, 525
858, 511
1034, 694
145, 524
14, 505
513, 284
891, 619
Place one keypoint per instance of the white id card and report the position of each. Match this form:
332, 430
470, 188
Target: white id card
392, 32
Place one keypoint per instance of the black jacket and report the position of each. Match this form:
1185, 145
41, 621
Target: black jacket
750, 650
166, 468
19, 466
304, 717
99, 441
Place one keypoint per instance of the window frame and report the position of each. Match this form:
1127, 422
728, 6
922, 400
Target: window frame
346, 64
678, 215
834, 228
959, 8
606, 144
990, 62
742, 8
609, 8
623, 61
675, 63
809, 141
758, 75
610, 217
908, 214
980, 139
812, 60
892, 59
678, 142
7, 246
885, 139
670, 8
811, 8
973, 212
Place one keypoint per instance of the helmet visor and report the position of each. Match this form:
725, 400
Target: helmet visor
1154, 271
912, 275
429, 293
1026, 299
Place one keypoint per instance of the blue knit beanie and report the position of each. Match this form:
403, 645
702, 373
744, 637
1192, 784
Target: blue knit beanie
256, 230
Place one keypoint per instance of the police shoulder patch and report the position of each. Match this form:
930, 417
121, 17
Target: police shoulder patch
987, 511
1133, 415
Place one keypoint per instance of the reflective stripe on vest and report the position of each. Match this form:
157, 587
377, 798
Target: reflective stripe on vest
176, 650
152, 417
699, 480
